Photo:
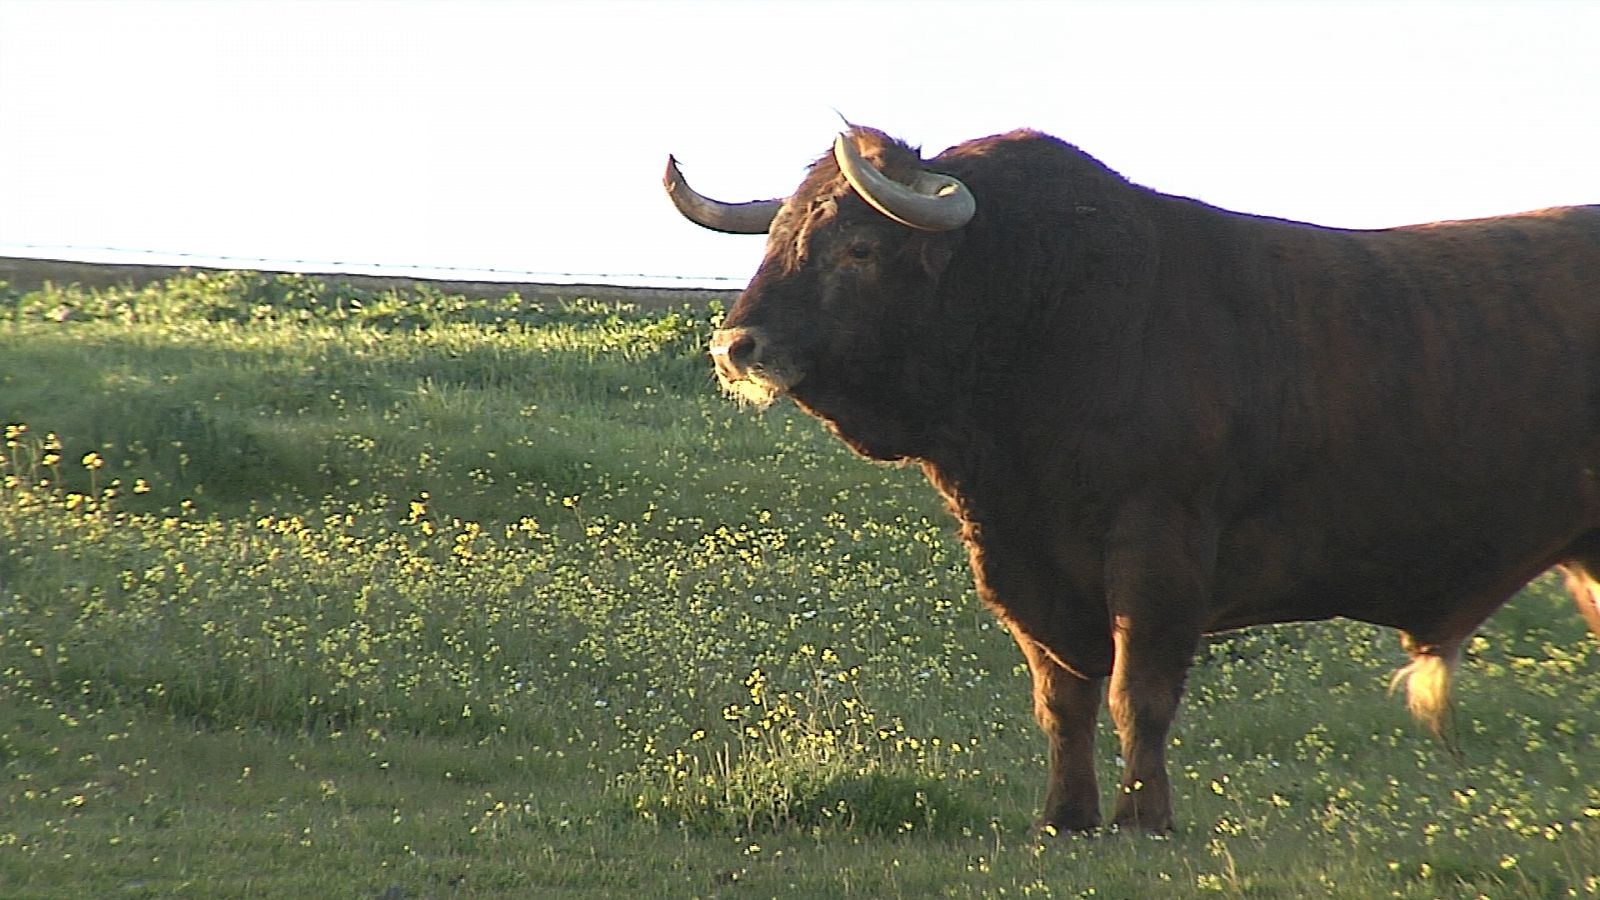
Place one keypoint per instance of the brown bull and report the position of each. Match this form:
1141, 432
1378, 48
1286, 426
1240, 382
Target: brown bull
1157, 419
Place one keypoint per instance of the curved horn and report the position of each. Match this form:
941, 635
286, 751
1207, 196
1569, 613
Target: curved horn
933, 203
733, 218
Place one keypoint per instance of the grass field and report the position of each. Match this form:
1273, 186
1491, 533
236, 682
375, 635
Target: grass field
307, 591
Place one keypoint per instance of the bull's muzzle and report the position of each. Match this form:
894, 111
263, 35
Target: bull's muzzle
735, 351
750, 367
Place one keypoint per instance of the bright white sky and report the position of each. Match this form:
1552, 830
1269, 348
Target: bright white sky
530, 137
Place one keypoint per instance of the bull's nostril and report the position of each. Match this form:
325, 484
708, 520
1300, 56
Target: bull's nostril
741, 349
734, 352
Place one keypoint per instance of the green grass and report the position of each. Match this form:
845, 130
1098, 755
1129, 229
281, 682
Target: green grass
306, 591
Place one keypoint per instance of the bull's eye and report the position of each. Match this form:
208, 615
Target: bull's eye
860, 250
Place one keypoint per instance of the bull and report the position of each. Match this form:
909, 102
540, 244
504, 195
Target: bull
1156, 419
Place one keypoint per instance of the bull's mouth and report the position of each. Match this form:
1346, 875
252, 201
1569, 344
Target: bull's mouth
758, 385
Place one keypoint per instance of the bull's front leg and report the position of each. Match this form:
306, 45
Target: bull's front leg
1067, 642
1145, 689
1066, 706
1157, 571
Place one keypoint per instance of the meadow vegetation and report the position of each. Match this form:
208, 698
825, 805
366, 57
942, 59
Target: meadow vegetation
310, 591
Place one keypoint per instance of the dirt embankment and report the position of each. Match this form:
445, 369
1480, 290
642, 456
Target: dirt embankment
30, 274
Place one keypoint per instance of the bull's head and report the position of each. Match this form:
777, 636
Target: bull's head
825, 320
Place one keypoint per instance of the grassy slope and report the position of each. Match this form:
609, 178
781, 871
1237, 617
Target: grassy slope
412, 596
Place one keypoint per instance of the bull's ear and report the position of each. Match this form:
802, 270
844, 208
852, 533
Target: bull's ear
931, 202
934, 254
754, 217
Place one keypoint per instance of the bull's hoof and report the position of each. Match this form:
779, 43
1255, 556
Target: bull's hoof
1057, 826
1145, 808
1147, 823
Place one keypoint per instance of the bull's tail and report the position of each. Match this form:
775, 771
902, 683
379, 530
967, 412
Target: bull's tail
1427, 679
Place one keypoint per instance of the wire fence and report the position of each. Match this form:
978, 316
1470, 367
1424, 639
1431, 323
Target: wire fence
132, 256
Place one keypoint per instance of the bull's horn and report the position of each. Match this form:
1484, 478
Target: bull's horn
734, 218
932, 203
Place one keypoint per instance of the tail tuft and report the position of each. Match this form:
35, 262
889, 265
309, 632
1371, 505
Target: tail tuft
1427, 679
